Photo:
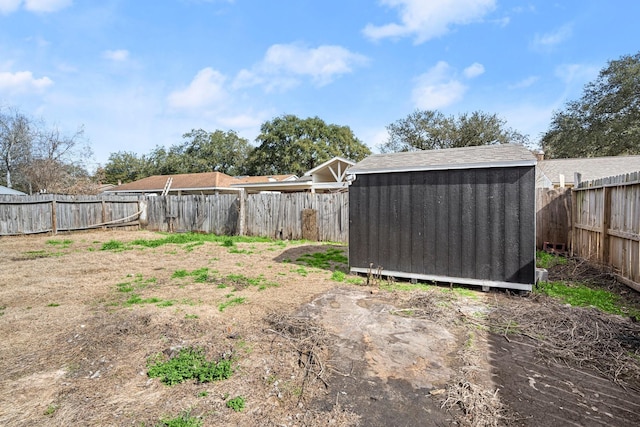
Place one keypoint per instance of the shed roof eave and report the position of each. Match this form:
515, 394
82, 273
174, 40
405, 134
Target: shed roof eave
418, 168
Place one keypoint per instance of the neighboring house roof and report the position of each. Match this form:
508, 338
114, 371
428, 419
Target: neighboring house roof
549, 171
190, 182
328, 176
6, 191
484, 156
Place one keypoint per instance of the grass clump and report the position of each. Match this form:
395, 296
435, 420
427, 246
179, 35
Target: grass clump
200, 275
183, 420
113, 245
231, 302
51, 409
338, 276
547, 260
329, 259
189, 364
137, 299
577, 294
237, 403
63, 244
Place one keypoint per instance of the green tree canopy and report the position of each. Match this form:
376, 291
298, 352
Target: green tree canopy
124, 166
220, 151
605, 121
201, 151
431, 130
288, 144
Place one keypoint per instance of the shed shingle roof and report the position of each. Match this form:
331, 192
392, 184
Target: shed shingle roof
506, 155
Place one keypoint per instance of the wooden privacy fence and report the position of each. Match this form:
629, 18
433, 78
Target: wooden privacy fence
53, 213
553, 218
322, 217
606, 225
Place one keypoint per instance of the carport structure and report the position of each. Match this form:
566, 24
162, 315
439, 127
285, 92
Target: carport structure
460, 215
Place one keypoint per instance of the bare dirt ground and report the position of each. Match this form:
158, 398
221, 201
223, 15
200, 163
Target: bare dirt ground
310, 351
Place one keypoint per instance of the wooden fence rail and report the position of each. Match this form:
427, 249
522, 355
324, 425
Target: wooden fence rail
606, 225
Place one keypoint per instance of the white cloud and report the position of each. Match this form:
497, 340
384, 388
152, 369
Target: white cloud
440, 87
206, 89
576, 73
46, 5
474, 70
8, 6
22, 81
116, 55
524, 83
283, 64
425, 20
552, 39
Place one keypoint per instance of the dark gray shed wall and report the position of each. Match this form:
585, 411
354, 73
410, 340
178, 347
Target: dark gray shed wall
465, 223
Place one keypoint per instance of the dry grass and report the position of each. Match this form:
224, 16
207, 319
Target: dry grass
75, 352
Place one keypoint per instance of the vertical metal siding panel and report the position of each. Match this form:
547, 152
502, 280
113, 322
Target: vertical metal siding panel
496, 222
417, 237
429, 204
405, 229
454, 255
373, 236
468, 223
357, 220
511, 224
391, 260
527, 271
481, 223
442, 223
384, 221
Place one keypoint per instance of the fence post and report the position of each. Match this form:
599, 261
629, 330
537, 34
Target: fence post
574, 216
54, 226
241, 214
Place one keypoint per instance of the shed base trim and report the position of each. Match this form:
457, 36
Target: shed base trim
446, 279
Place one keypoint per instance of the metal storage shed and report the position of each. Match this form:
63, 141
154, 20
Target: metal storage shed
461, 215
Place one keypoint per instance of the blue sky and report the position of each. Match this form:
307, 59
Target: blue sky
137, 74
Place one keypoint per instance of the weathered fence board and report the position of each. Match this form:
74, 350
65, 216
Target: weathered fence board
606, 225
273, 215
53, 213
217, 214
280, 216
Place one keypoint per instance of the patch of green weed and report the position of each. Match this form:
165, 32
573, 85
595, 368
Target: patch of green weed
231, 302
178, 274
183, 420
113, 245
137, 299
330, 259
190, 363
301, 271
191, 316
338, 276
547, 260
53, 304
237, 403
63, 244
577, 294
51, 409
